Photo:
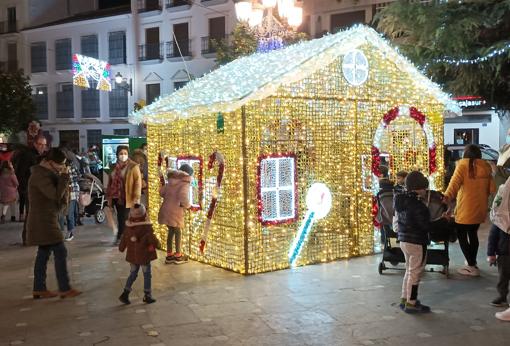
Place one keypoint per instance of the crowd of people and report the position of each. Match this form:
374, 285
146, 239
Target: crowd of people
466, 206
50, 181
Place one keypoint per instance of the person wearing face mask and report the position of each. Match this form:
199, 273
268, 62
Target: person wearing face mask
48, 191
140, 157
413, 219
124, 187
471, 185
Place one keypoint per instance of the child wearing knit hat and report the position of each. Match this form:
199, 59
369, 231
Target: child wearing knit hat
413, 233
140, 242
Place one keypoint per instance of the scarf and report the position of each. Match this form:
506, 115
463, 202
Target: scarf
117, 185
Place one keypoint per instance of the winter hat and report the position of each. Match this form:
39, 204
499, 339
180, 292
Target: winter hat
186, 168
415, 180
137, 212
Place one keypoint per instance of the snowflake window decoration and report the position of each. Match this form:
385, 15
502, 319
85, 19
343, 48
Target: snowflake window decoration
355, 67
277, 189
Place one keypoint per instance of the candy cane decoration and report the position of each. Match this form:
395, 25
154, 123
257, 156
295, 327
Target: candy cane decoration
215, 157
318, 202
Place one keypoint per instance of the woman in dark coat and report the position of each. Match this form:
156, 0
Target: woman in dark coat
48, 191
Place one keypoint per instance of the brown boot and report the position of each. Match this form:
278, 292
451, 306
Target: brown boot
70, 294
44, 294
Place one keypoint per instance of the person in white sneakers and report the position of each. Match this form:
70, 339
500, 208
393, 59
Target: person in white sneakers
498, 248
471, 185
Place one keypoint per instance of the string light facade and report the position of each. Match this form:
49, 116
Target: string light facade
327, 126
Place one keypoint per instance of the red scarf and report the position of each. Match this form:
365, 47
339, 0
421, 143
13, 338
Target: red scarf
117, 185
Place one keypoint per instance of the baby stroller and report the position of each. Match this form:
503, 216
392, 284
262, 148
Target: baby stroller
93, 198
441, 234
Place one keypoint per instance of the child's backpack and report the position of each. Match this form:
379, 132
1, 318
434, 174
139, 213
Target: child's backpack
500, 211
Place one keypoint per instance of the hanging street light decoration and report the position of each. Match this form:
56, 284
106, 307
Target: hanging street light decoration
268, 29
86, 68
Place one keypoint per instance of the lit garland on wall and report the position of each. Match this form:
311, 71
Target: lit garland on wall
326, 123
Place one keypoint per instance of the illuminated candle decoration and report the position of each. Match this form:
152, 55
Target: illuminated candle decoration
85, 68
291, 119
318, 203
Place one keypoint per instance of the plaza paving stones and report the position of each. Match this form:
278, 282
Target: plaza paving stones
340, 303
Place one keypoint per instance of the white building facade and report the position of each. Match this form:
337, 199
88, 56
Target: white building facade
155, 45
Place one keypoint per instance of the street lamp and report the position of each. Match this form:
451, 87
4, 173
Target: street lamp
123, 83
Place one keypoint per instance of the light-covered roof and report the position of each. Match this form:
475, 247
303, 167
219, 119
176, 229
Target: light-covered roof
258, 76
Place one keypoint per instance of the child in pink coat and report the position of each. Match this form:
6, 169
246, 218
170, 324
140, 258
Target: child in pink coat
171, 213
8, 189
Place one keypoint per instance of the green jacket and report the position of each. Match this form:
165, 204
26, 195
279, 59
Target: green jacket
48, 194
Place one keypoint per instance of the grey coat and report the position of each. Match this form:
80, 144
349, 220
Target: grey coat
48, 194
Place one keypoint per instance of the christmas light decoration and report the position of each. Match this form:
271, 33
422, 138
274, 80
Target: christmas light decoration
215, 157
294, 106
318, 202
85, 68
480, 59
270, 32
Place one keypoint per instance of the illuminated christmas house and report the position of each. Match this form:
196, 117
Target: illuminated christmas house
287, 145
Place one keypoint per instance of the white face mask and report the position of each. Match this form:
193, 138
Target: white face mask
123, 158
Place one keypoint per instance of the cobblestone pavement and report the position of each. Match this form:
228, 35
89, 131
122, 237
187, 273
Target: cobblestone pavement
340, 303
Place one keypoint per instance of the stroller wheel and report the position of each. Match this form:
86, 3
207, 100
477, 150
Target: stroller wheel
100, 216
381, 268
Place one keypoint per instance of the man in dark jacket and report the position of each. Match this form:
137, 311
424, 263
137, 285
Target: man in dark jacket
413, 232
48, 191
22, 161
499, 245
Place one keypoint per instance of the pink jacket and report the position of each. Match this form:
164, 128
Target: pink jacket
175, 199
8, 188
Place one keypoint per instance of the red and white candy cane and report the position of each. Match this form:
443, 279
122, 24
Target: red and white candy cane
215, 157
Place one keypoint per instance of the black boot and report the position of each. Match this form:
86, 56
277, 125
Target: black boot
124, 297
147, 298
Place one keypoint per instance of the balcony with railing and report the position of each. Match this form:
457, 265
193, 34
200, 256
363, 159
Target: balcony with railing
178, 5
210, 43
149, 5
174, 49
7, 27
150, 51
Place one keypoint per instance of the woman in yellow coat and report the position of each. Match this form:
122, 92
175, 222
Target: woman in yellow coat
471, 185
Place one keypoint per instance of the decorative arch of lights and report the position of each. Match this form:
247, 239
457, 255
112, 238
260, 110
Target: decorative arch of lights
391, 115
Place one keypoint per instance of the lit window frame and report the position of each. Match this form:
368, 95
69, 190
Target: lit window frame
260, 190
197, 159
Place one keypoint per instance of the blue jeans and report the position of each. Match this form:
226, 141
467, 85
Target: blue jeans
70, 217
146, 269
41, 262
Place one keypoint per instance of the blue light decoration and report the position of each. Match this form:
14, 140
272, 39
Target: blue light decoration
318, 202
268, 44
302, 235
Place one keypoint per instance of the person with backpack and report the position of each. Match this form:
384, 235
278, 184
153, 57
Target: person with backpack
498, 248
471, 185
